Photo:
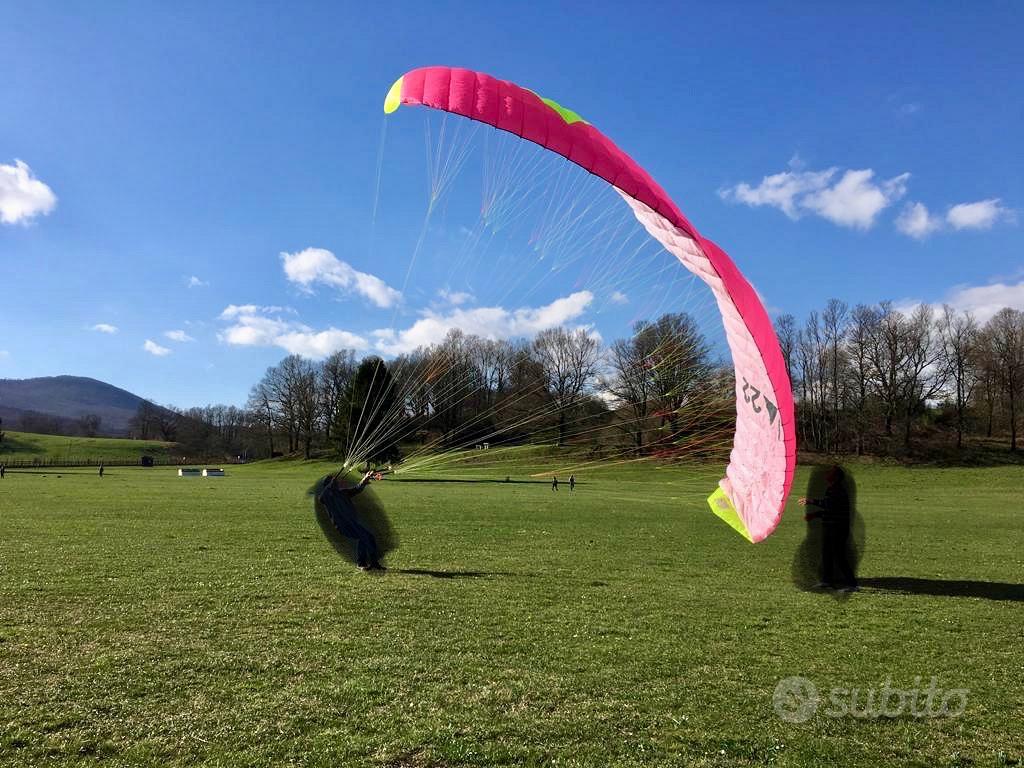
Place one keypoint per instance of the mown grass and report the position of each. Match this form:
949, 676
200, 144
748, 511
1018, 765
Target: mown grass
152, 620
28, 446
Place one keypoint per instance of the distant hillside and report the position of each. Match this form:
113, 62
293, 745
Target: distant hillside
24, 446
67, 398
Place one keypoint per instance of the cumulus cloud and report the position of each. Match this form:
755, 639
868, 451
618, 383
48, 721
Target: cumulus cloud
618, 297
256, 326
317, 265
195, 282
488, 322
983, 214
179, 336
22, 195
236, 310
850, 199
982, 301
917, 221
455, 298
155, 349
104, 328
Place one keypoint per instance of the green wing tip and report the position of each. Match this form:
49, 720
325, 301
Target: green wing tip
394, 98
722, 506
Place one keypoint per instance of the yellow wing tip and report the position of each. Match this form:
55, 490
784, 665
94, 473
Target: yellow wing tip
722, 506
394, 98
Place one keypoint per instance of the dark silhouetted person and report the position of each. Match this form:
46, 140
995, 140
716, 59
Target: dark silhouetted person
336, 497
101, 470
554, 483
572, 483
3, 471
830, 499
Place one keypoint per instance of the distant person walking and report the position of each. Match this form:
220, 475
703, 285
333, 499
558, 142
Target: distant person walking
101, 470
572, 483
3, 471
554, 482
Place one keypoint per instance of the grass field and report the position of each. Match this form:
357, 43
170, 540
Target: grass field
26, 446
152, 620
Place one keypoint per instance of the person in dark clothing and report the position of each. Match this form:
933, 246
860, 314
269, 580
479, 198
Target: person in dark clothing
101, 470
554, 483
336, 498
572, 483
3, 470
834, 509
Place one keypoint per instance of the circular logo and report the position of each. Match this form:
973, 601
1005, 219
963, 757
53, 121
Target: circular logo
795, 699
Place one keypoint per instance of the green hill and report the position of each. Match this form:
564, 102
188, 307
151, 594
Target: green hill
26, 446
68, 398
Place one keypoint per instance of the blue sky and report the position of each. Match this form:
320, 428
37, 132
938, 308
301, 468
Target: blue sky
865, 153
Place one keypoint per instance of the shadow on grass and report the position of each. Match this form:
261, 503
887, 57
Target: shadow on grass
457, 480
446, 574
908, 585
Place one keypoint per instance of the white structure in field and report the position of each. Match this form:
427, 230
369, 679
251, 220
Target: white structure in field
189, 472
213, 473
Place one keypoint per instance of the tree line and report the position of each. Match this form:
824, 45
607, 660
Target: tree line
650, 393
870, 379
874, 379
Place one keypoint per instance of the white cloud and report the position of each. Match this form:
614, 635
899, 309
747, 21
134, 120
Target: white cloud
179, 336
982, 301
255, 326
488, 322
195, 282
22, 195
104, 328
235, 310
155, 349
618, 297
980, 215
319, 344
317, 265
916, 221
455, 298
4, 354
854, 199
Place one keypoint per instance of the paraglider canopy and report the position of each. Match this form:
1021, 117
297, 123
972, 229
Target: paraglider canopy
757, 480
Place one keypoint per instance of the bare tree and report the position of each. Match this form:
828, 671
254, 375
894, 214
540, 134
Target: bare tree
834, 320
301, 378
860, 338
959, 339
785, 330
888, 360
336, 373
144, 423
630, 381
1005, 334
89, 424
262, 407
924, 374
568, 360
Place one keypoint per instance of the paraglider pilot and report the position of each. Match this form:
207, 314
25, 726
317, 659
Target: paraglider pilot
337, 498
834, 511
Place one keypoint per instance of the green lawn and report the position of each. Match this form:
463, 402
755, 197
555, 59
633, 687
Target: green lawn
26, 446
152, 620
